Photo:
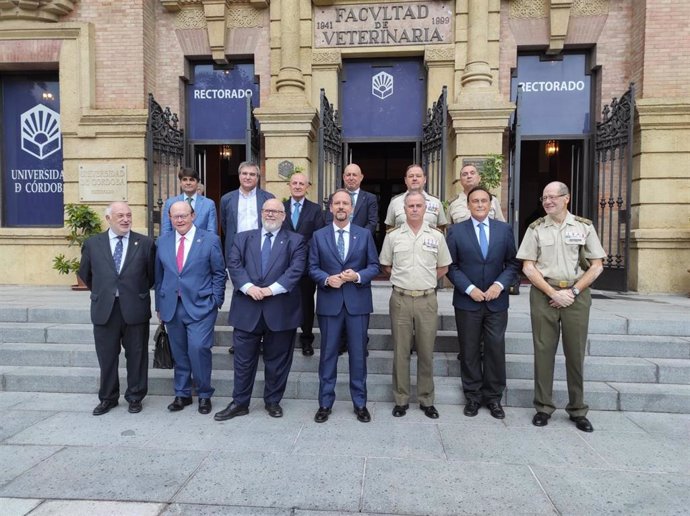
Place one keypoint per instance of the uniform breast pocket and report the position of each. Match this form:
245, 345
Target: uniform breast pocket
402, 254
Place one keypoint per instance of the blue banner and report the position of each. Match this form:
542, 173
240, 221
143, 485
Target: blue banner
383, 99
217, 103
555, 96
31, 152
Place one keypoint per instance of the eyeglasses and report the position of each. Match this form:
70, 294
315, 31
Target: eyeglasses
550, 197
249, 174
181, 217
273, 212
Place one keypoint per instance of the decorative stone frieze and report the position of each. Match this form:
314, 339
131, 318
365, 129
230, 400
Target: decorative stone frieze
40, 10
244, 16
590, 7
439, 53
326, 57
191, 17
529, 9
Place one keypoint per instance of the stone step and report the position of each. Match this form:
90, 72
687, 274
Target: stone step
639, 346
600, 369
599, 395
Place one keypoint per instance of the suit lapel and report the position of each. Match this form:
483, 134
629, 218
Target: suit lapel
472, 235
330, 241
132, 248
354, 241
194, 249
107, 252
277, 248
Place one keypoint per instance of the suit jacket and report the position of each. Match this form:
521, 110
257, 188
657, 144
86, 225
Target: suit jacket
136, 277
200, 284
285, 266
324, 261
469, 267
204, 214
310, 219
228, 214
366, 213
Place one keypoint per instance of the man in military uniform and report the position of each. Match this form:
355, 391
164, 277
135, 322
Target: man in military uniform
458, 210
416, 256
562, 256
415, 180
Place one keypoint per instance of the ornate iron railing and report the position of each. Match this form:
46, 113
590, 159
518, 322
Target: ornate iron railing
434, 145
330, 150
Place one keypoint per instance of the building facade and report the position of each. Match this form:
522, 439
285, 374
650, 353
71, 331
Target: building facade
314, 85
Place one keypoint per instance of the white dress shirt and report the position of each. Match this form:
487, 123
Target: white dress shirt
247, 216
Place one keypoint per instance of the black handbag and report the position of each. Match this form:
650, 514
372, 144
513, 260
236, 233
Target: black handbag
162, 356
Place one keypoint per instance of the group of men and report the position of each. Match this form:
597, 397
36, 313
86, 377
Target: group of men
278, 254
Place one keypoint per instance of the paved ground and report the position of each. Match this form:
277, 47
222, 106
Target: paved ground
56, 458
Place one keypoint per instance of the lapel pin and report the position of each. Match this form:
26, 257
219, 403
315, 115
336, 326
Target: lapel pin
136, 243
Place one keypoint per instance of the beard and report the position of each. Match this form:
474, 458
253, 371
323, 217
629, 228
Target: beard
272, 225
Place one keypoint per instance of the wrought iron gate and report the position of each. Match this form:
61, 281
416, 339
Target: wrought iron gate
612, 180
514, 175
253, 138
164, 157
434, 145
330, 149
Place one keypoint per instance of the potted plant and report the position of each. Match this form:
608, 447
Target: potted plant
491, 171
82, 222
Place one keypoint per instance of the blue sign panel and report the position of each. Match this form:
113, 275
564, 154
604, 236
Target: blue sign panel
217, 102
555, 96
383, 99
31, 152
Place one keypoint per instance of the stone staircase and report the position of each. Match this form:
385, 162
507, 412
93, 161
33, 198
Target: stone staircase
634, 364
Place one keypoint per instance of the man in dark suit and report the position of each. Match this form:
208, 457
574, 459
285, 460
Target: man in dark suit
304, 217
342, 262
190, 289
265, 267
240, 210
366, 207
118, 268
484, 265
204, 208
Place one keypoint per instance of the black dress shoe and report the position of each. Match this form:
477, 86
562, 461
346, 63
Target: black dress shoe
363, 415
582, 423
496, 410
179, 403
103, 407
400, 410
274, 410
429, 411
205, 405
307, 349
322, 415
231, 350
541, 419
471, 408
232, 410
134, 407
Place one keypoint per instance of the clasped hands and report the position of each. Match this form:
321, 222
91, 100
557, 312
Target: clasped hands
337, 280
258, 293
562, 298
491, 293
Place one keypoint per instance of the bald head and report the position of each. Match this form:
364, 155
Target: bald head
352, 177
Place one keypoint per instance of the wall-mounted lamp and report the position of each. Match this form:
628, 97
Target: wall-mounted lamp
551, 148
226, 152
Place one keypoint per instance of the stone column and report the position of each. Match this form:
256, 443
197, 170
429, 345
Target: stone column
477, 72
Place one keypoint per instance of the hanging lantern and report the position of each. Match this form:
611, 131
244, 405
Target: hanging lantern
226, 152
551, 148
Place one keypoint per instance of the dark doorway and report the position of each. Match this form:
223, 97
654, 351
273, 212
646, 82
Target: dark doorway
565, 162
217, 167
383, 165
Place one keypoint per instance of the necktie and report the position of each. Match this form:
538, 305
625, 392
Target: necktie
117, 255
352, 200
483, 241
266, 252
189, 200
341, 244
295, 214
180, 254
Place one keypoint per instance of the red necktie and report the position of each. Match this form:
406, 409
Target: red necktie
180, 254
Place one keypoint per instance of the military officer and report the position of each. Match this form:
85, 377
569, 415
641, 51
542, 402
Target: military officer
416, 256
562, 256
415, 180
458, 210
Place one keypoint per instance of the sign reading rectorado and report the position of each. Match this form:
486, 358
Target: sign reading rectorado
405, 23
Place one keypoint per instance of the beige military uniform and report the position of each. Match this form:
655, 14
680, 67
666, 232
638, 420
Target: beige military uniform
413, 305
459, 212
434, 216
555, 249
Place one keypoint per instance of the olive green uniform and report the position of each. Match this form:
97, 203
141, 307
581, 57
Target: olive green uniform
459, 212
555, 249
434, 216
413, 305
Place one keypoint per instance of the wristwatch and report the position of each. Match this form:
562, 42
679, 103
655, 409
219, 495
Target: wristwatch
575, 291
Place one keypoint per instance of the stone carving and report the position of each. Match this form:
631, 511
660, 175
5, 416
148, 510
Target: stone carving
192, 17
590, 7
529, 8
326, 57
439, 53
42, 10
244, 16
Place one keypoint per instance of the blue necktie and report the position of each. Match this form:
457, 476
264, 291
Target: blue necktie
483, 241
341, 244
266, 252
352, 199
295, 214
117, 255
